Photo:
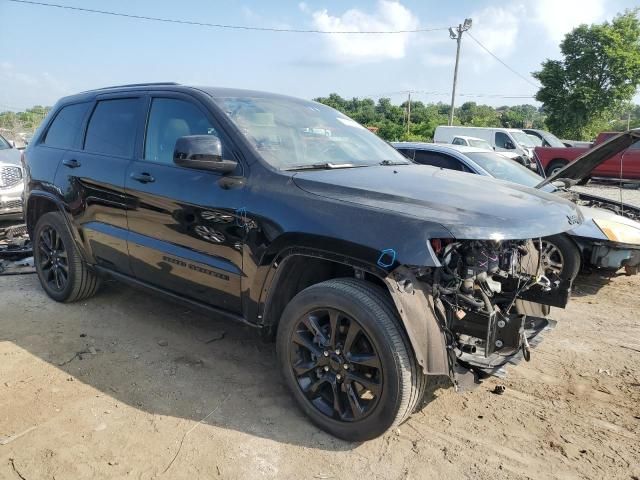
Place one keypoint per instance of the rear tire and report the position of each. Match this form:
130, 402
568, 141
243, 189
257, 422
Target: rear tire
64, 276
555, 166
321, 365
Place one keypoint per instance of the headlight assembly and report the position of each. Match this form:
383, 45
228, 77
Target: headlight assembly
619, 232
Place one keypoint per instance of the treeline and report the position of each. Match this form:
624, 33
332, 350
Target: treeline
387, 119
391, 120
23, 122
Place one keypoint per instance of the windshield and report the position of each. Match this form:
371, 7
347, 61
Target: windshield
522, 138
537, 141
480, 144
552, 140
505, 169
4, 144
290, 133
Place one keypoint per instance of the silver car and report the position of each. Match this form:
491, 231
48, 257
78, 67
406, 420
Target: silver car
11, 182
609, 238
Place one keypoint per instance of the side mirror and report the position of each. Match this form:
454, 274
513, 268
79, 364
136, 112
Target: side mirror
509, 145
202, 152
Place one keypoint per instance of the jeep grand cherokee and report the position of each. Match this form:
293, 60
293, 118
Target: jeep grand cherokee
370, 272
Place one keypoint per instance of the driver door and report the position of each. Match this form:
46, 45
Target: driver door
183, 233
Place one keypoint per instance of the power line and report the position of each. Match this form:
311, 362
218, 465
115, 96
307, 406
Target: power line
220, 25
503, 63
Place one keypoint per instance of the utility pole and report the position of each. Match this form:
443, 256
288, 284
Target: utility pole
457, 35
409, 113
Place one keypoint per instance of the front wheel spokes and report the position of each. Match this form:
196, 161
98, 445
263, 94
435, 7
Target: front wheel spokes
354, 401
364, 359
353, 332
301, 339
368, 383
303, 368
311, 323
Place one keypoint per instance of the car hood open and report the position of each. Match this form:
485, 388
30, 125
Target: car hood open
582, 166
469, 206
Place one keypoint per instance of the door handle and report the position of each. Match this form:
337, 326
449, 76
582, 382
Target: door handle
71, 163
142, 177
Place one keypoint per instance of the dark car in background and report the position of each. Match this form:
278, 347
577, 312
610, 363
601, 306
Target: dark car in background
609, 237
11, 181
370, 272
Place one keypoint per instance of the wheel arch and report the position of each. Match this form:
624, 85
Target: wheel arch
39, 203
297, 269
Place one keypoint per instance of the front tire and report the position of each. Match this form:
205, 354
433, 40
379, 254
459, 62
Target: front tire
64, 276
560, 257
347, 360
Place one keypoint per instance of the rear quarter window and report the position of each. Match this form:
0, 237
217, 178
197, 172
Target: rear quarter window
66, 126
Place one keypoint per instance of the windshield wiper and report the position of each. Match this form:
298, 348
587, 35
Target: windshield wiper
322, 166
387, 163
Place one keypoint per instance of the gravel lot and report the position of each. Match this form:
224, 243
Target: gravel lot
128, 385
613, 192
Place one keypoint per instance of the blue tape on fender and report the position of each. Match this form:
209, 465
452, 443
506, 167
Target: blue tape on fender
241, 217
387, 258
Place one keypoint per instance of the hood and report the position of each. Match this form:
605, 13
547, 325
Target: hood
469, 206
582, 166
10, 156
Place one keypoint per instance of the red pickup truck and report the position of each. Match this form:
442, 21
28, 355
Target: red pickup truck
625, 165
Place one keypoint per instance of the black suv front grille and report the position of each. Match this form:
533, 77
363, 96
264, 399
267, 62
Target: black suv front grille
10, 176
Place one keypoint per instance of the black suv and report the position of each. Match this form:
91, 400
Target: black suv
369, 271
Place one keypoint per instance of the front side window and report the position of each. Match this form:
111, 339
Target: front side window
458, 141
112, 127
170, 119
66, 125
290, 133
502, 139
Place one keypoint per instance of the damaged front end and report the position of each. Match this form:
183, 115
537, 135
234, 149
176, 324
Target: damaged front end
489, 300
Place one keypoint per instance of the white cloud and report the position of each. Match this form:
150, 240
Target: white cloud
560, 17
31, 88
388, 16
497, 29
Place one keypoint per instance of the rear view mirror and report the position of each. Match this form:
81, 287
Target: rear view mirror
202, 152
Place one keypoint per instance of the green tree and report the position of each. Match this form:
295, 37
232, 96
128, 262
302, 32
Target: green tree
599, 72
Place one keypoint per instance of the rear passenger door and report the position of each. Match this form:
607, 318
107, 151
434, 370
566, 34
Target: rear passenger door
185, 235
91, 178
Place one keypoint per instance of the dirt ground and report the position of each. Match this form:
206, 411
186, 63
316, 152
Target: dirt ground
128, 385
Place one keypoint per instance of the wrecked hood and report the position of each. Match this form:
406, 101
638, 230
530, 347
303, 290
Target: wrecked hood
582, 166
469, 206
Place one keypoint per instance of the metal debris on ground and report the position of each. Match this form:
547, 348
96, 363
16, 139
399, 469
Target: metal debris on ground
16, 253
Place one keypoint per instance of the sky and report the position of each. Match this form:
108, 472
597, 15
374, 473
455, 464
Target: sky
47, 53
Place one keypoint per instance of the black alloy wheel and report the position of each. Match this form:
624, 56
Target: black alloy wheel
336, 365
345, 356
53, 259
63, 274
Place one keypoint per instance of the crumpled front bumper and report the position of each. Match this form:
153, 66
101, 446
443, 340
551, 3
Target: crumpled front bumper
614, 256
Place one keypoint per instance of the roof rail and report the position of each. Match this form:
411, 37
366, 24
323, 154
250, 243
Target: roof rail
150, 84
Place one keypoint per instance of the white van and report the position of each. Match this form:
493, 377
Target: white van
500, 139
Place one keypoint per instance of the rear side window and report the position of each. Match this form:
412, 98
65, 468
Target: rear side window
65, 127
437, 159
112, 127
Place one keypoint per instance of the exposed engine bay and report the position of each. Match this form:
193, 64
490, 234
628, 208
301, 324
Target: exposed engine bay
492, 300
